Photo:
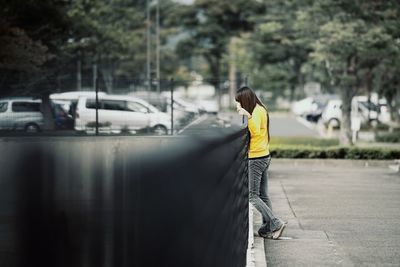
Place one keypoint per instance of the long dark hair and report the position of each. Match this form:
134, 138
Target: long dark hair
248, 100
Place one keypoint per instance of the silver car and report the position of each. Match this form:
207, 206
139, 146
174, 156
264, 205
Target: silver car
21, 113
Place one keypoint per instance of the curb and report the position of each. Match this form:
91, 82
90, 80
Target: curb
256, 249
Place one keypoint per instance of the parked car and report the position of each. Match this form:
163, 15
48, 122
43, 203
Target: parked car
21, 113
74, 95
332, 113
367, 111
118, 113
377, 107
184, 111
68, 101
187, 106
208, 105
304, 106
311, 108
155, 99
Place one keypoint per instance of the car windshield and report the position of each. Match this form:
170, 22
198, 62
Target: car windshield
136, 107
3, 106
370, 106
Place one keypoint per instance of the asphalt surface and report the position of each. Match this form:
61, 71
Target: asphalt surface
287, 125
339, 214
282, 124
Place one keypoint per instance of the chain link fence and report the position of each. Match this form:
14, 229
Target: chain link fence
124, 107
143, 201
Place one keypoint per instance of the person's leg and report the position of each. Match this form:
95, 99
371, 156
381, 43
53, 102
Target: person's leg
264, 194
256, 169
264, 186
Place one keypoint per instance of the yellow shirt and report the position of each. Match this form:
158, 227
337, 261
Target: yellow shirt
257, 124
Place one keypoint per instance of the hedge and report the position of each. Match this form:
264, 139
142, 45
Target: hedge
393, 137
303, 141
335, 153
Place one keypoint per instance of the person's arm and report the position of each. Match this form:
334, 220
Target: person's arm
254, 123
242, 111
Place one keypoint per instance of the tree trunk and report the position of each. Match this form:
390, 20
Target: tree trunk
292, 91
94, 70
347, 93
232, 79
47, 112
368, 86
299, 80
79, 74
107, 72
345, 124
215, 72
397, 105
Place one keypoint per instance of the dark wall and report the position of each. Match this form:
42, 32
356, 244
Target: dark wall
106, 202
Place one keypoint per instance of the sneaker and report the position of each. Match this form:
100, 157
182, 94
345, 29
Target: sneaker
263, 234
277, 233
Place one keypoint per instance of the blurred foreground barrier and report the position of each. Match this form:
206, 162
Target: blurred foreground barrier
102, 202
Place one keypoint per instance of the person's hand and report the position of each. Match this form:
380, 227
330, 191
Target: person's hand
242, 111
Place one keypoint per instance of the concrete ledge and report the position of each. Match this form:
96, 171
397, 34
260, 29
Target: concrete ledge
256, 252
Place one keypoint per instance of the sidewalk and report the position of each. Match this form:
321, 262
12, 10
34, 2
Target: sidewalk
345, 215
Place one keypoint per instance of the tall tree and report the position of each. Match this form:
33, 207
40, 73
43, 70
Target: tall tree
30, 36
278, 49
113, 35
210, 25
351, 43
107, 33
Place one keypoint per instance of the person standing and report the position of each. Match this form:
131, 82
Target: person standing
259, 156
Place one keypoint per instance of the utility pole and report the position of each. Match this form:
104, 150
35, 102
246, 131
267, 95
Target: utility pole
94, 69
158, 46
79, 72
148, 44
232, 72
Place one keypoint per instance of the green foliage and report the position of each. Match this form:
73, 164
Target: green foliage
211, 25
393, 137
335, 153
31, 33
348, 45
277, 50
18, 52
108, 32
303, 141
313, 148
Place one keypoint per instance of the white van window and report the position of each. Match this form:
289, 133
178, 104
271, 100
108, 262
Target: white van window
3, 106
114, 105
136, 107
91, 104
25, 107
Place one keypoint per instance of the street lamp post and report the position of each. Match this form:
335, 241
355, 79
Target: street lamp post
158, 46
148, 44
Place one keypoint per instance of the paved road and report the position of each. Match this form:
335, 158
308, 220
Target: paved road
281, 124
339, 215
287, 125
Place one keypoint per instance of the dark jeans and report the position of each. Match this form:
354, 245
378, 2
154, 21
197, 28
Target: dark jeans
258, 189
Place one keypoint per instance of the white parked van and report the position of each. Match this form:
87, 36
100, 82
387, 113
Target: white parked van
367, 111
21, 113
118, 113
69, 100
